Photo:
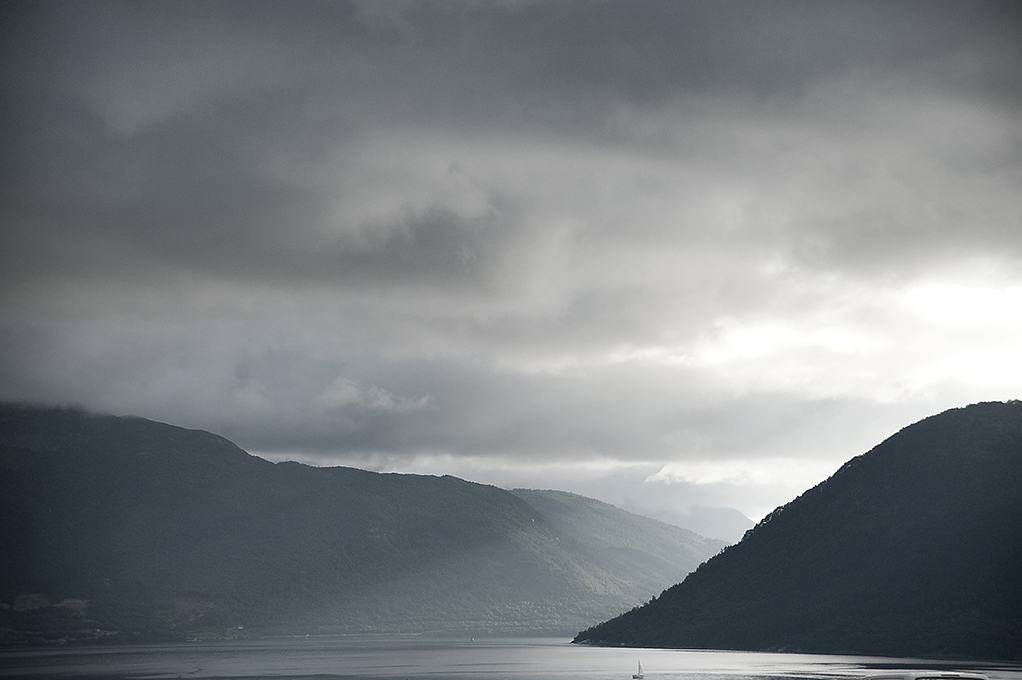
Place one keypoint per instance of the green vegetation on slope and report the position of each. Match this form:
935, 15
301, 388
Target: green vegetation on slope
914, 548
651, 551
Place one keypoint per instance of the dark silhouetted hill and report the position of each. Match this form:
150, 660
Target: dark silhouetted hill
914, 548
128, 529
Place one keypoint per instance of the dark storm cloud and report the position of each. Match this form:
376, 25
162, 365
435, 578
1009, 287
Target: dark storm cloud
149, 126
521, 231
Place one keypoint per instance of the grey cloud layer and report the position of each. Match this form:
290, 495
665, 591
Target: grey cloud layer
172, 132
486, 228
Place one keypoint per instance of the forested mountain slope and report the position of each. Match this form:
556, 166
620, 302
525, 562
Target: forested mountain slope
645, 548
128, 529
914, 548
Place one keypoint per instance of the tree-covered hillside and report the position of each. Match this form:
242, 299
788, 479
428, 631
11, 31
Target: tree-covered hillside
914, 548
645, 548
128, 529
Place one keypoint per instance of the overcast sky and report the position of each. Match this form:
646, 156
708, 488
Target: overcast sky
661, 253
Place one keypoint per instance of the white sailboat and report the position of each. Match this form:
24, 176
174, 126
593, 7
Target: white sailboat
639, 675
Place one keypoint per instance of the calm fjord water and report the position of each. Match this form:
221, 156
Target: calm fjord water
413, 657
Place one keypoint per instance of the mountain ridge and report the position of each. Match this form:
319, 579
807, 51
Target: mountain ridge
913, 548
149, 531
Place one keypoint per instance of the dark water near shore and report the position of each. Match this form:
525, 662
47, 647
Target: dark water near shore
486, 659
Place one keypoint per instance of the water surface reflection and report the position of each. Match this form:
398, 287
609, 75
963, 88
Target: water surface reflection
421, 658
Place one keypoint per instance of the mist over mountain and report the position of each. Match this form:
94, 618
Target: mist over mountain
726, 524
914, 548
128, 529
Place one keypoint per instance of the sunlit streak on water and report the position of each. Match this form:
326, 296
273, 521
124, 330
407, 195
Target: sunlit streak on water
420, 658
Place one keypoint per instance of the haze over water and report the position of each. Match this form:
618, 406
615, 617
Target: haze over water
414, 657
